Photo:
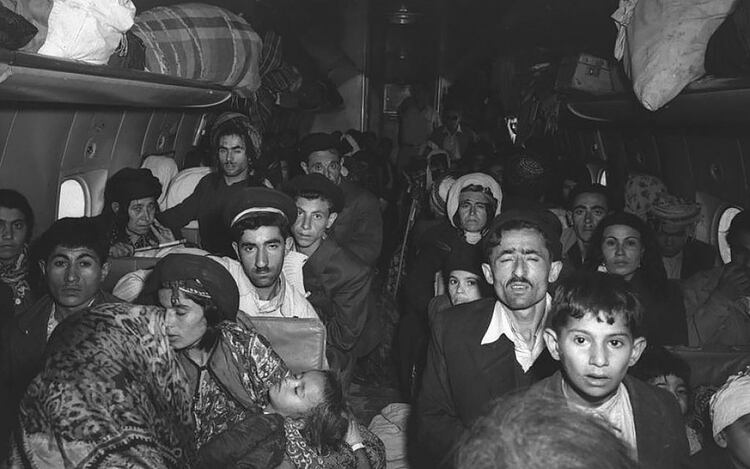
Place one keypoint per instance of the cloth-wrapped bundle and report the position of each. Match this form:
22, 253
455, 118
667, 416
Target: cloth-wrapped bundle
201, 42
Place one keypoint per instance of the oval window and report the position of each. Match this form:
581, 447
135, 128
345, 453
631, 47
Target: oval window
601, 178
721, 234
72, 199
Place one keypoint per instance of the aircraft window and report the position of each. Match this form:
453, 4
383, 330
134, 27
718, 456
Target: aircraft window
601, 178
724, 220
72, 199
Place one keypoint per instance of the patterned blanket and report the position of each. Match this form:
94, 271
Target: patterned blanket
111, 394
202, 42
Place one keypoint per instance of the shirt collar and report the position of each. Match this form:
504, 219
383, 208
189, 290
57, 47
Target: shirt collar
501, 324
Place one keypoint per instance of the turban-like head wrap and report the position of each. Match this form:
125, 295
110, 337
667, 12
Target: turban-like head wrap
731, 401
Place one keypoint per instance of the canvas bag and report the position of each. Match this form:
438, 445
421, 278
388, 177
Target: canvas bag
662, 43
87, 30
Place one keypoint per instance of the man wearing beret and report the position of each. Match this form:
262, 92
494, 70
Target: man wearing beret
491, 347
338, 282
359, 226
260, 220
237, 146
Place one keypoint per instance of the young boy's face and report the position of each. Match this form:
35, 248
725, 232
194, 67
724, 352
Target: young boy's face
676, 386
736, 439
594, 356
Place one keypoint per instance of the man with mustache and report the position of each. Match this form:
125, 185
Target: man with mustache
589, 203
260, 221
491, 347
237, 144
73, 258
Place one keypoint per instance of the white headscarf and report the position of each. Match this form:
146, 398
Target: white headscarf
731, 401
471, 179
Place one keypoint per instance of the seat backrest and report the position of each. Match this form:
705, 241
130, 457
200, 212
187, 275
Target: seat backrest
123, 265
301, 343
712, 366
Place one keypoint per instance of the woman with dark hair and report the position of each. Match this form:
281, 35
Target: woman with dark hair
625, 245
229, 369
16, 226
129, 215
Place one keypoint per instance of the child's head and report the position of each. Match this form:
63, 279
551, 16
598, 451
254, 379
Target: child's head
463, 275
730, 414
594, 330
663, 369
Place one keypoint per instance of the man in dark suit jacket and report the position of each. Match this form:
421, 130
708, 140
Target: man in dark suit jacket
485, 349
359, 226
338, 282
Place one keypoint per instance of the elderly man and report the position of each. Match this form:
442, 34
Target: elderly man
674, 222
717, 301
237, 145
491, 347
260, 221
473, 200
338, 282
359, 226
73, 259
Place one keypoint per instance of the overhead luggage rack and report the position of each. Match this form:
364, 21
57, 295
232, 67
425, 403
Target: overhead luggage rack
708, 102
26, 77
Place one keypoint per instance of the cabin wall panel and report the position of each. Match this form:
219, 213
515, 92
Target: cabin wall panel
130, 138
92, 141
7, 116
743, 143
641, 151
186, 132
614, 148
718, 167
32, 156
161, 133
677, 169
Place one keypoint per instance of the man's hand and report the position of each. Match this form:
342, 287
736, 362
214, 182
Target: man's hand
734, 281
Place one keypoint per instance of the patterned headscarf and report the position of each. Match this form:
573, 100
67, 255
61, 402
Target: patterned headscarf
641, 191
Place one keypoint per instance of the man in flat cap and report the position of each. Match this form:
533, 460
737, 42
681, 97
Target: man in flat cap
359, 226
338, 282
494, 346
260, 221
237, 146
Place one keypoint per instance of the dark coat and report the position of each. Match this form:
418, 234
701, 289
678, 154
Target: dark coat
339, 286
22, 354
359, 226
696, 257
659, 428
665, 319
463, 376
206, 204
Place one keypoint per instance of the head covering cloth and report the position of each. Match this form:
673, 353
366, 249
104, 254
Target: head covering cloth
439, 194
731, 401
252, 200
641, 190
131, 184
196, 275
241, 121
491, 188
668, 209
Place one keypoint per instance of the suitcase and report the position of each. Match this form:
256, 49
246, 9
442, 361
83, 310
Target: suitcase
589, 74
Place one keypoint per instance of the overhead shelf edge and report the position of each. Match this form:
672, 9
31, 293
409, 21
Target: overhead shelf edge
28, 77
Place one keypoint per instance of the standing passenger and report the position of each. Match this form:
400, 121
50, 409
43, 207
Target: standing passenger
359, 226
237, 145
488, 348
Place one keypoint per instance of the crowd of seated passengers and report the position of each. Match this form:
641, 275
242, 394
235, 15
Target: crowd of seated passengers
519, 254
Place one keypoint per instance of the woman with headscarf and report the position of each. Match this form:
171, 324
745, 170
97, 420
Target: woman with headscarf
229, 368
129, 215
623, 244
111, 394
473, 201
